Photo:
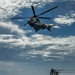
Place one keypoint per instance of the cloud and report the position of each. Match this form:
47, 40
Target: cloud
6, 66
37, 45
12, 41
11, 8
13, 68
67, 19
12, 35
11, 28
47, 47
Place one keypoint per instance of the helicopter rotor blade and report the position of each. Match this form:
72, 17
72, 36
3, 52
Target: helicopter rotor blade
66, 72
44, 17
19, 18
25, 24
33, 10
48, 10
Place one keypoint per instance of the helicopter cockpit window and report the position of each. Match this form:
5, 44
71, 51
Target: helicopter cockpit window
32, 19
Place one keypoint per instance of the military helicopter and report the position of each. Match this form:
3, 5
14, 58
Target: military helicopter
56, 72
35, 22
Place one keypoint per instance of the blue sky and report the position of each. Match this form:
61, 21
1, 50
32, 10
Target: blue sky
25, 52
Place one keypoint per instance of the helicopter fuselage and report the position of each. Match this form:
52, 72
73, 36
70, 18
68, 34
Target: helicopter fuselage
36, 24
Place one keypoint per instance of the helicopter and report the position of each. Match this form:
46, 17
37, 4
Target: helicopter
35, 22
57, 72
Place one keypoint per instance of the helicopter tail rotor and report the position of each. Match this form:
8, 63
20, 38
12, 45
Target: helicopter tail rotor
49, 27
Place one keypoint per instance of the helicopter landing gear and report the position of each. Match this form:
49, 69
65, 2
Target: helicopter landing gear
49, 29
36, 30
43, 27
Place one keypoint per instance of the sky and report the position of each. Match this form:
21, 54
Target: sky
25, 52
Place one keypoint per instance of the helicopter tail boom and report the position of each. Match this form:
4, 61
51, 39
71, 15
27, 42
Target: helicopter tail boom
49, 27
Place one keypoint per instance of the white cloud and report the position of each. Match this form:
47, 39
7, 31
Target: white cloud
50, 47
67, 19
45, 46
38, 52
12, 35
9, 8
40, 44
14, 40
56, 26
13, 28
13, 68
